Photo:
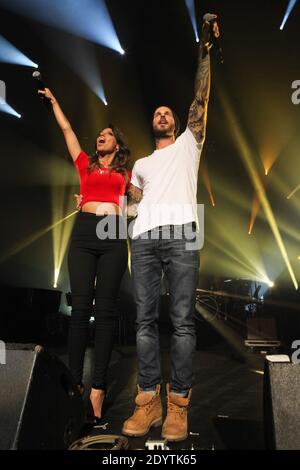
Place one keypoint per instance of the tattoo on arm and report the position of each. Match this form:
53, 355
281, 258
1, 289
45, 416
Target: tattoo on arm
135, 195
198, 110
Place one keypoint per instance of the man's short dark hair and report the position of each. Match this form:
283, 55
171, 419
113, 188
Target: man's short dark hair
177, 123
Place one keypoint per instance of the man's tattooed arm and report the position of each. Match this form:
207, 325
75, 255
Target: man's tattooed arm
135, 195
198, 110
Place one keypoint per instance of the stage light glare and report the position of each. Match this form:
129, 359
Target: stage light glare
87, 68
271, 284
290, 7
190, 4
11, 55
122, 52
62, 203
257, 371
56, 276
293, 192
6, 108
246, 156
89, 19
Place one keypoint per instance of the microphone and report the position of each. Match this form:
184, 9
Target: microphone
211, 19
40, 85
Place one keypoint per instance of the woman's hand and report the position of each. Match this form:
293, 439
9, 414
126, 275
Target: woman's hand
47, 94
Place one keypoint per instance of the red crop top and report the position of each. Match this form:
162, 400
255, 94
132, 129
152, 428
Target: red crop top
96, 187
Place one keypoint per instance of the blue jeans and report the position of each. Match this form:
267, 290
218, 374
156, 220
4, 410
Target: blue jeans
181, 266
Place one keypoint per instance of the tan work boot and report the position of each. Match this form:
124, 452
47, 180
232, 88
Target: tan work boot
148, 413
175, 427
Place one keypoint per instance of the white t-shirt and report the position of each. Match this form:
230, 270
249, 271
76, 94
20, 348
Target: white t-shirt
168, 179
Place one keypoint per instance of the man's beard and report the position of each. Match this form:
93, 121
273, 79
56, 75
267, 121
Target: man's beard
163, 133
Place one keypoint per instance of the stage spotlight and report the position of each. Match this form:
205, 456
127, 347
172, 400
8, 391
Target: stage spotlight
82, 58
122, 52
56, 276
247, 158
93, 83
88, 19
290, 7
33, 238
191, 8
6, 108
11, 55
271, 284
62, 203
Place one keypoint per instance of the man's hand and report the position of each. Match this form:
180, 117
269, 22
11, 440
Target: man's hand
78, 198
210, 25
208, 17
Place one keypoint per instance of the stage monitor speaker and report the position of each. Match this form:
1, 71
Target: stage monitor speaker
40, 406
282, 404
25, 312
261, 329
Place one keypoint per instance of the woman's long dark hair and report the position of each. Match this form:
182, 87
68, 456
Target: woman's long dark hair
121, 159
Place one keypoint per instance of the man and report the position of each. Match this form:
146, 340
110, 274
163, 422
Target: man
166, 184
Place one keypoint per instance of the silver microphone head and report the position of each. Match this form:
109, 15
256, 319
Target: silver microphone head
209, 17
37, 75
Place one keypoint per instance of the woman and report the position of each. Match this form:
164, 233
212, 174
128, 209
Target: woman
96, 265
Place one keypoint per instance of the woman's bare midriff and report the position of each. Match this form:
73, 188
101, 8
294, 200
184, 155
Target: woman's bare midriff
102, 208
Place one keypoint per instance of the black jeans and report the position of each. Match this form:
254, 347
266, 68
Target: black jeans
104, 262
170, 253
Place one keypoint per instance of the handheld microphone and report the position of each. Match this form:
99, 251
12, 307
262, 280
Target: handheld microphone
40, 85
211, 19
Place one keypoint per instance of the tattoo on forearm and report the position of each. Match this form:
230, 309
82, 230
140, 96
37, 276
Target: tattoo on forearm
198, 110
135, 195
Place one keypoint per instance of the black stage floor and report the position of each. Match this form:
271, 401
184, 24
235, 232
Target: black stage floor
226, 406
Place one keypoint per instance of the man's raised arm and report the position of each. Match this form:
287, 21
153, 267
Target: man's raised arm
198, 110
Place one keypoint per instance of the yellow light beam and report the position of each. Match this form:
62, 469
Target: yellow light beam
25, 243
252, 272
255, 209
246, 157
268, 157
250, 262
62, 202
293, 192
208, 186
